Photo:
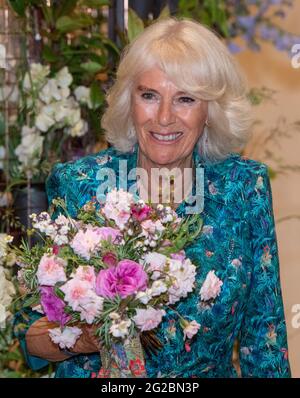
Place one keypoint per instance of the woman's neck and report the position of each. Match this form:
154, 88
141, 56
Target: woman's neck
167, 183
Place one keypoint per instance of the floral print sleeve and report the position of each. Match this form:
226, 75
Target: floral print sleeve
263, 340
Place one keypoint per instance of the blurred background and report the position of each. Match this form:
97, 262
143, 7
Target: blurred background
57, 60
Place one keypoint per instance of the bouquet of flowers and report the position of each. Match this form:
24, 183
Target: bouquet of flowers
119, 266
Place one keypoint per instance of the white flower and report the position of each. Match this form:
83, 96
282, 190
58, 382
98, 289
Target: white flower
74, 115
28, 131
7, 291
79, 129
4, 240
66, 338
190, 329
183, 274
2, 57
51, 91
211, 287
64, 78
45, 119
156, 263
114, 316
30, 150
120, 329
147, 319
38, 74
82, 95
158, 287
144, 297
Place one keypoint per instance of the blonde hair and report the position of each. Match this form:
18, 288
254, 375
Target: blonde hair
197, 61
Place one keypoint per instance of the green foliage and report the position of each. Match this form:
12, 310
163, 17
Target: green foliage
135, 25
212, 13
19, 6
95, 3
66, 24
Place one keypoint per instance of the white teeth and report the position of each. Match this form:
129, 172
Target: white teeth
170, 137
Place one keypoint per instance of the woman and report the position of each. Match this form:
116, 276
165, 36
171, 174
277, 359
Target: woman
178, 103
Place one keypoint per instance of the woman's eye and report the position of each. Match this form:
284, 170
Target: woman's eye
186, 100
148, 96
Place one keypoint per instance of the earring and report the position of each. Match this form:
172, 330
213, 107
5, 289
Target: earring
206, 123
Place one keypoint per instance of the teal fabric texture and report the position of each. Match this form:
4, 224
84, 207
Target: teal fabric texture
238, 242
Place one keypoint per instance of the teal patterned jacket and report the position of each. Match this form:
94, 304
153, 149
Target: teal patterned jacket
238, 242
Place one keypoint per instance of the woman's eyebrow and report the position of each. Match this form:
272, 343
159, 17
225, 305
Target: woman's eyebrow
144, 88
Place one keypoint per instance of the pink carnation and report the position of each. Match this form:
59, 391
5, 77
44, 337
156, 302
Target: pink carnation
148, 319
211, 287
88, 241
117, 207
125, 279
51, 270
191, 329
112, 234
86, 273
140, 213
179, 256
89, 311
152, 227
77, 293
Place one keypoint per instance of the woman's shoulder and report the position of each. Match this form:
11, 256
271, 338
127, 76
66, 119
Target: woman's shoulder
87, 165
237, 178
238, 167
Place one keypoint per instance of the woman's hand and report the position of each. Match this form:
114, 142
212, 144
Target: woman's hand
87, 342
39, 343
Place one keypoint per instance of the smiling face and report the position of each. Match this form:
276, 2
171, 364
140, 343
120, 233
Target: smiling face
168, 122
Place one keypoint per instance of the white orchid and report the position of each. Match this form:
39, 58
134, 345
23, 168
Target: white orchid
83, 95
38, 74
7, 292
64, 78
45, 119
51, 91
4, 240
79, 129
29, 151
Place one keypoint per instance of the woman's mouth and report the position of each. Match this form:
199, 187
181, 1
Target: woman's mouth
170, 137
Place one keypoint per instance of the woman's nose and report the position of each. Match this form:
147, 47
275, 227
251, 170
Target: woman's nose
166, 115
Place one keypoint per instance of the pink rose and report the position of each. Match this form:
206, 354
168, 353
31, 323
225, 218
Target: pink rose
125, 279
51, 270
211, 287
